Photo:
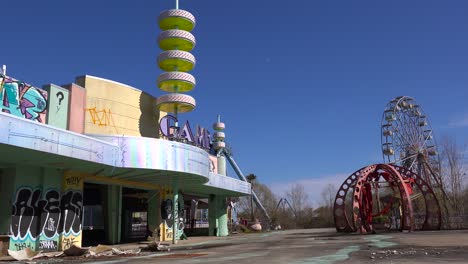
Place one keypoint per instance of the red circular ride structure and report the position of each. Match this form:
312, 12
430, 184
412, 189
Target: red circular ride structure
396, 196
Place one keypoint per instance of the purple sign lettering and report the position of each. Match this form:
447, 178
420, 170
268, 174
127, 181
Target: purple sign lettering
201, 139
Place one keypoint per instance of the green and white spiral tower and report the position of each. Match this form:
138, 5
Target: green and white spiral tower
176, 41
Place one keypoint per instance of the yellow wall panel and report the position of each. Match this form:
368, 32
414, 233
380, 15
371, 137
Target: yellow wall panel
113, 108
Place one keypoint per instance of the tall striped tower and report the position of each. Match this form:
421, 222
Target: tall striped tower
218, 137
176, 41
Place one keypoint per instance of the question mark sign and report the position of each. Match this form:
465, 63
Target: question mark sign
60, 97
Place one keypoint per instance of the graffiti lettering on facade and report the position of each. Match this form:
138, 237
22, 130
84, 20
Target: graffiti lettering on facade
68, 242
48, 244
101, 117
47, 217
21, 246
73, 180
60, 97
33, 216
21, 99
168, 219
72, 206
50, 216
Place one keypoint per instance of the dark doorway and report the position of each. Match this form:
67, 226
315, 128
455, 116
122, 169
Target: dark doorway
134, 215
93, 214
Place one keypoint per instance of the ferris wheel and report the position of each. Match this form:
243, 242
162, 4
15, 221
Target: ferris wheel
408, 140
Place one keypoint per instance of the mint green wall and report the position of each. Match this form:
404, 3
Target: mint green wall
26, 180
114, 213
34, 195
57, 114
7, 183
51, 185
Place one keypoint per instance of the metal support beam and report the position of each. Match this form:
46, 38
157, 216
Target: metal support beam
242, 177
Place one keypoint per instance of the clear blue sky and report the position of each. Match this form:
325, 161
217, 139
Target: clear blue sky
301, 85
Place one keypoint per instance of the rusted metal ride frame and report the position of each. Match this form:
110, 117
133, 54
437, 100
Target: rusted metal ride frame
359, 183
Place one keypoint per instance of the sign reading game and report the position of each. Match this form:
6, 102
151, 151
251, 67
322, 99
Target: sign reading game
168, 128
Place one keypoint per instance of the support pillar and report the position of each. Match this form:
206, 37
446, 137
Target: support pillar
175, 210
154, 212
25, 217
7, 191
71, 205
217, 216
114, 214
49, 238
222, 165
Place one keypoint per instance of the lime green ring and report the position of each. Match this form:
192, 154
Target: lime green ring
171, 106
174, 86
176, 23
176, 43
175, 63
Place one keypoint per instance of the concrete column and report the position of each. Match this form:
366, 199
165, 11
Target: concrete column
154, 212
49, 238
114, 214
212, 224
175, 210
71, 206
25, 218
7, 191
222, 165
217, 216
222, 218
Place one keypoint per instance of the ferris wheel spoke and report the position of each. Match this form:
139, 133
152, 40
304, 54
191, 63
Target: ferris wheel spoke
405, 137
406, 158
403, 120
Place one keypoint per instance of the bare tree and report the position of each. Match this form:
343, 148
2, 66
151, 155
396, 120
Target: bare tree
298, 197
328, 195
453, 171
266, 197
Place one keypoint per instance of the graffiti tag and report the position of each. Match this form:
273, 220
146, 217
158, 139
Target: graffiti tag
68, 242
21, 99
21, 246
75, 180
48, 244
71, 207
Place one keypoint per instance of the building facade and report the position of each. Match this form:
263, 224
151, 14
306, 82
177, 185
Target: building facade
94, 162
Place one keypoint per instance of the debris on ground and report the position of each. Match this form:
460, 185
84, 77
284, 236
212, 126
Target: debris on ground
407, 252
119, 252
25, 254
157, 246
100, 250
75, 251
49, 255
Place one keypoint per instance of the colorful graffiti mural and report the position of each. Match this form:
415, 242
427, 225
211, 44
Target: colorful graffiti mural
72, 210
167, 216
23, 100
35, 220
43, 221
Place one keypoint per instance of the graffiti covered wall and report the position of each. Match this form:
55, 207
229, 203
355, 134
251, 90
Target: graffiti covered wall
167, 216
72, 210
36, 208
23, 100
43, 217
35, 219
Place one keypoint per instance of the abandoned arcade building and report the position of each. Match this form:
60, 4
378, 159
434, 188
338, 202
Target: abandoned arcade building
88, 163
